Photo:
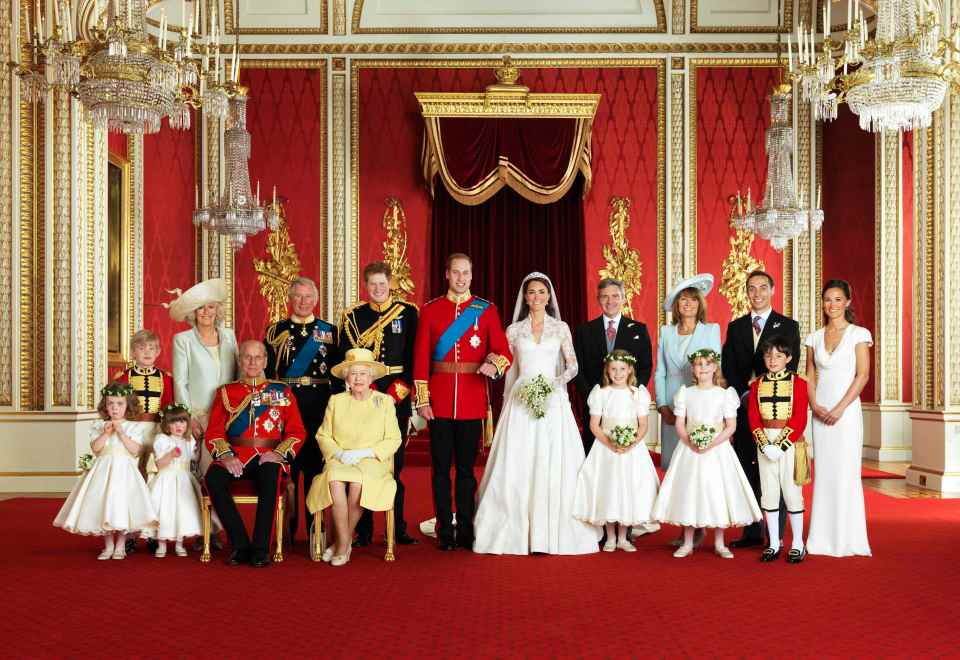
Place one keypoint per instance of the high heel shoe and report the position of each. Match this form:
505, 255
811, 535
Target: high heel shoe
340, 560
683, 551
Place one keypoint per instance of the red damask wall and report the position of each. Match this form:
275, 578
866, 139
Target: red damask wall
285, 117
624, 160
733, 112
168, 233
848, 208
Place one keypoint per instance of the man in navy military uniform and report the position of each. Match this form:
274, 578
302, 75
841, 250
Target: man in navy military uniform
300, 351
386, 327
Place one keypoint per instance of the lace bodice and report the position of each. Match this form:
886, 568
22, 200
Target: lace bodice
553, 357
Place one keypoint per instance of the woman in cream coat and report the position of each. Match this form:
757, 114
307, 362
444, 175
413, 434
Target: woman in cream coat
689, 332
358, 439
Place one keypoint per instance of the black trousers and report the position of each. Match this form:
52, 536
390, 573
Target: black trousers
309, 463
365, 526
267, 477
455, 442
745, 446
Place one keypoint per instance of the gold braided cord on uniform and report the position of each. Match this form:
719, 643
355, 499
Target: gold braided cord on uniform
284, 447
280, 345
234, 412
422, 395
372, 337
221, 447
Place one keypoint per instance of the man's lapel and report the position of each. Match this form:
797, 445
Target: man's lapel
770, 329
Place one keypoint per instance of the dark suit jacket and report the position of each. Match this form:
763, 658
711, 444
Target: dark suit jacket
590, 345
741, 361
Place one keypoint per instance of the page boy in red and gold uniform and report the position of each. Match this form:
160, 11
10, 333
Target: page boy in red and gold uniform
777, 413
460, 344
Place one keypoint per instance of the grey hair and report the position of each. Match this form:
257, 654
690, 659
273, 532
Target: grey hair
610, 281
304, 281
248, 342
191, 317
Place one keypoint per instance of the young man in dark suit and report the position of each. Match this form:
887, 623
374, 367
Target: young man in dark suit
742, 361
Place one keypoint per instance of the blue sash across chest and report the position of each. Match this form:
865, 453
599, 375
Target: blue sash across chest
458, 328
301, 362
272, 394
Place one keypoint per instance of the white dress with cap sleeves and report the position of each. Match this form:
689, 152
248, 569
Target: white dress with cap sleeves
174, 491
709, 489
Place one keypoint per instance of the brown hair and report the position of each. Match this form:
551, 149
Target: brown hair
170, 418
377, 268
458, 255
618, 355
759, 273
142, 337
134, 409
690, 292
844, 286
718, 378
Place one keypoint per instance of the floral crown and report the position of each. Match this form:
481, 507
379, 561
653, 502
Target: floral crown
117, 389
706, 353
173, 409
620, 357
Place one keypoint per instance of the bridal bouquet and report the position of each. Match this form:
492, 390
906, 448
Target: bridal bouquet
85, 462
702, 436
623, 436
534, 393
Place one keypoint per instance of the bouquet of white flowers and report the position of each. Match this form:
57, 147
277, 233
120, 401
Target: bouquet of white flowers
534, 393
702, 436
85, 462
623, 436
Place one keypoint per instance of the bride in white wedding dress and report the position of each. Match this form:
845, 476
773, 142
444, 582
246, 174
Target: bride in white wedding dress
526, 495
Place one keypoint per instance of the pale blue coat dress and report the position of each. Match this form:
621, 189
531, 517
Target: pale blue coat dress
673, 370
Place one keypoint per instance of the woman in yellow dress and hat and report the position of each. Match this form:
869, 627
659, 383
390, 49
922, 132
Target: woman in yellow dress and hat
358, 439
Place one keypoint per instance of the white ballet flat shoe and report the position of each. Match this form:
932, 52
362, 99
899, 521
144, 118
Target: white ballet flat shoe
642, 530
160, 552
105, 554
683, 551
723, 552
610, 545
626, 546
119, 552
180, 550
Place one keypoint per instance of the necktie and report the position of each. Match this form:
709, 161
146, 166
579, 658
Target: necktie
611, 335
756, 325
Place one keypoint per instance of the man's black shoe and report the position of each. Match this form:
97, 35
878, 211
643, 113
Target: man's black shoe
238, 557
405, 539
260, 559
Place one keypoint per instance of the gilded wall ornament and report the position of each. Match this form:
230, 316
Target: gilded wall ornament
738, 264
395, 249
623, 262
276, 273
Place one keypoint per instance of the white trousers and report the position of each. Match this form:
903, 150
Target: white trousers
776, 477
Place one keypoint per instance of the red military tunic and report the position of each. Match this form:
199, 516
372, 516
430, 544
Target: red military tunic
452, 386
252, 416
153, 386
778, 401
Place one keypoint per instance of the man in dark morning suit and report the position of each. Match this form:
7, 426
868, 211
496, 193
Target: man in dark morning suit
300, 351
594, 339
741, 362
387, 328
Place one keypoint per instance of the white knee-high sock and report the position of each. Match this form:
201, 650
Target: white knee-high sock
796, 527
773, 525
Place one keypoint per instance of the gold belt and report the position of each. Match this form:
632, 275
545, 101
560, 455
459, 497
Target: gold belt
306, 380
394, 370
456, 367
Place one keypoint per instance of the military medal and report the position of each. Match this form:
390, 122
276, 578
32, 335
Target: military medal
475, 341
396, 327
303, 331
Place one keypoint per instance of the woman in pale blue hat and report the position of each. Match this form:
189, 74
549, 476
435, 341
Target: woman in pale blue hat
688, 332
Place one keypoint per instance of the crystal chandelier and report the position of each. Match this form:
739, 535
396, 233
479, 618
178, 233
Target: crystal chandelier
893, 82
780, 217
236, 212
125, 80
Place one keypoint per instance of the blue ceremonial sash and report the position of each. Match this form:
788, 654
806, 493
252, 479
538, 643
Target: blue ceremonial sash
459, 327
304, 356
241, 422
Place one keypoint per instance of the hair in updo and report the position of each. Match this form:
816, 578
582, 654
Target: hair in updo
550, 309
844, 286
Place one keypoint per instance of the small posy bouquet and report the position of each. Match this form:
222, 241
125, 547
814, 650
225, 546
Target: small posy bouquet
623, 436
534, 393
85, 462
702, 436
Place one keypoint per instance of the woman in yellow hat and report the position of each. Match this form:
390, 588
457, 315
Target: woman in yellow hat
358, 439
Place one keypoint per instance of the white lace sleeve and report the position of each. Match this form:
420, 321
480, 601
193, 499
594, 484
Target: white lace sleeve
569, 356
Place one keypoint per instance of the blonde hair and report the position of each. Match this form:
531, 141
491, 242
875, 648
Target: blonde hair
718, 378
618, 355
191, 316
690, 292
143, 337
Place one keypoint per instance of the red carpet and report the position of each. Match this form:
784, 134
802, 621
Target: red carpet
61, 602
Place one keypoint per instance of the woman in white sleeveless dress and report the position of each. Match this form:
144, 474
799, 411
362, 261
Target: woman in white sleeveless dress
838, 366
526, 495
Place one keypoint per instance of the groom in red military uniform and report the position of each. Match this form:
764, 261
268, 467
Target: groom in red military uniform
460, 343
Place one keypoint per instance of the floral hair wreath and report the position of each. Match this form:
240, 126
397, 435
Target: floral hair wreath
117, 389
628, 358
173, 409
706, 353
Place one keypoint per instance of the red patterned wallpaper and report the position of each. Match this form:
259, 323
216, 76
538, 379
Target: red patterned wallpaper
285, 117
732, 114
168, 233
624, 159
907, 239
848, 209
117, 143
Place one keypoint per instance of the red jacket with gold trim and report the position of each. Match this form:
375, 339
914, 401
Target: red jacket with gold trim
153, 386
457, 391
778, 399
250, 418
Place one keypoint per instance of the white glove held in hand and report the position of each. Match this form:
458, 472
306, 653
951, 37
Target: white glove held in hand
354, 456
773, 453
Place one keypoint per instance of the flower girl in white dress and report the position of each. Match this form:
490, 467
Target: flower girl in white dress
173, 489
705, 485
111, 498
618, 482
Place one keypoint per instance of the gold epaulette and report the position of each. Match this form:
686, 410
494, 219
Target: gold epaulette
422, 393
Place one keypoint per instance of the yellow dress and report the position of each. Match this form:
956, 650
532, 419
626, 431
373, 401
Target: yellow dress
352, 424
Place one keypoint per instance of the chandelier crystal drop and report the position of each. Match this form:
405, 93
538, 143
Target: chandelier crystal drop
780, 218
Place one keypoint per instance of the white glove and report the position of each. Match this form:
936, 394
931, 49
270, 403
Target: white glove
773, 453
354, 456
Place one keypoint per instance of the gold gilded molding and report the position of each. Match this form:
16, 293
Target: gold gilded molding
802, 266
62, 257
737, 265
922, 268
887, 260
678, 17
951, 252
211, 240
339, 181
230, 24
277, 273
785, 26
678, 169
514, 48
623, 261
135, 260
937, 281
395, 249
357, 28
126, 255
661, 187
339, 17
6, 218
454, 104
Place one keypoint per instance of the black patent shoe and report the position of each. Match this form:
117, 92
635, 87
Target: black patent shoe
260, 559
466, 544
405, 539
238, 557
446, 545
769, 554
796, 556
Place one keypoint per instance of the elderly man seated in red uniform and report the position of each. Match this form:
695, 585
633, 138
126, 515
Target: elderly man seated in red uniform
254, 433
